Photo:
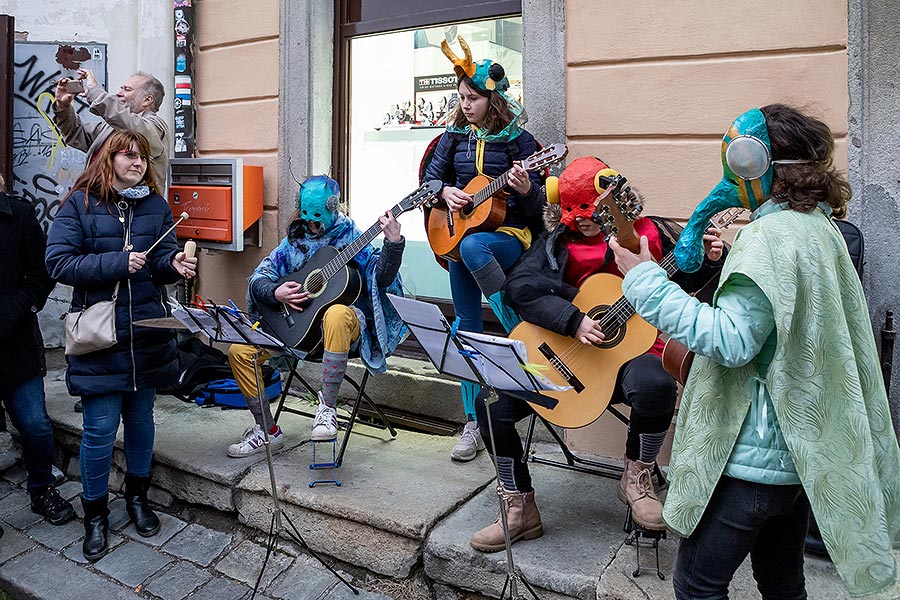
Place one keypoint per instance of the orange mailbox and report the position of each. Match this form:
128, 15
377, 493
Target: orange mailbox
223, 199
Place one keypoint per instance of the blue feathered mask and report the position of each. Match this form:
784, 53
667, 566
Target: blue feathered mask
317, 200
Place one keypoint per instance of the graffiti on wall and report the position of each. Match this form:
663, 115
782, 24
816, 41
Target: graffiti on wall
44, 168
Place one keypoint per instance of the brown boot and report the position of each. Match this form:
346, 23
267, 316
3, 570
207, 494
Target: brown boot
523, 519
636, 490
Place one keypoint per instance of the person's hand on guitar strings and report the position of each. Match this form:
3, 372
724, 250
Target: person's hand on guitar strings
390, 226
291, 293
589, 331
455, 198
625, 258
519, 180
713, 244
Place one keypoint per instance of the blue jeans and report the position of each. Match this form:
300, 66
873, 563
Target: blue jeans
477, 250
768, 522
101, 415
28, 413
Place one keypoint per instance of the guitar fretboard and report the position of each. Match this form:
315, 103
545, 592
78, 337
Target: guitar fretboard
490, 189
353, 248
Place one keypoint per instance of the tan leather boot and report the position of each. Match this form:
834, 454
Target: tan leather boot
636, 490
523, 519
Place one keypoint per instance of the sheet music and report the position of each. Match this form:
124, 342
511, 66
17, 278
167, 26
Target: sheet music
500, 361
222, 324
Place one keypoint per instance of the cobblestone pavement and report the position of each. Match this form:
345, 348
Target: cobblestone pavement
218, 560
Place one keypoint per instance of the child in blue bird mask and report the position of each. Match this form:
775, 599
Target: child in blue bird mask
370, 326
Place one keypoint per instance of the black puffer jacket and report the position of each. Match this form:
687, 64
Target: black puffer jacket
536, 290
24, 287
454, 164
85, 250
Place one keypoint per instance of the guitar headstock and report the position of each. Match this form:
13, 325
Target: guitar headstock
545, 157
725, 218
424, 194
616, 209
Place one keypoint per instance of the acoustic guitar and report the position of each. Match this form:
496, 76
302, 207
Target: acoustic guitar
329, 280
591, 370
486, 211
676, 358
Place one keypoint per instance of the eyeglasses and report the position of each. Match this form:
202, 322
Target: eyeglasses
132, 155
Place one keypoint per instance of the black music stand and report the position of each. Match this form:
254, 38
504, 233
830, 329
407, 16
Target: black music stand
494, 363
232, 326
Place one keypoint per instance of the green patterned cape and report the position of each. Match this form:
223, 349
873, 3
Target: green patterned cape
827, 389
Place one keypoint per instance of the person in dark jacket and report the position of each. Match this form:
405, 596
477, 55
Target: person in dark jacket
540, 288
24, 287
485, 137
99, 239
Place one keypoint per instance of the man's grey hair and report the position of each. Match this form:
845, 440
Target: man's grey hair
153, 87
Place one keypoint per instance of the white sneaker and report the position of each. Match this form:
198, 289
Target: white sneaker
324, 427
469, 444
254, 442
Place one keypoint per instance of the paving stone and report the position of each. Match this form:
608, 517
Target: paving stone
132, 563
178, 581
222, 588
44, 575
118, 516
70, 489
57, 537
304, 580
73, 552
13, 502
6, 488
245, 561
12, 544
22, 518
9, 452
168, 526
15, 475
342, 592
198, 544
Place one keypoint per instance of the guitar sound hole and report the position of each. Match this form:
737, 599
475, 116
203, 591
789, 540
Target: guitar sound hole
613, 336
314, 283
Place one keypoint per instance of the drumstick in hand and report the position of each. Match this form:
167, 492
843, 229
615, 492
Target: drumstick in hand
183, 216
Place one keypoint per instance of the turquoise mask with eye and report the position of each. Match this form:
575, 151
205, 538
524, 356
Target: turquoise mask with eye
318, 201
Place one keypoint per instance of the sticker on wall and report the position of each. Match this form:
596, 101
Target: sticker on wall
184, 134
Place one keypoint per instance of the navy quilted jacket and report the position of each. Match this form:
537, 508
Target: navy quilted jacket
85, 251
454, 164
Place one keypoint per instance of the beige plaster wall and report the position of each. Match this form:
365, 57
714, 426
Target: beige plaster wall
652, 86
236, 90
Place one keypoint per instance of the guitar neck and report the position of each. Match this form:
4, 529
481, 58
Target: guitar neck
621, 310
490, 189
353, 248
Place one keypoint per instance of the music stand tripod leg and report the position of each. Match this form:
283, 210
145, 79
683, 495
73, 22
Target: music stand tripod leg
278, 516
513, 574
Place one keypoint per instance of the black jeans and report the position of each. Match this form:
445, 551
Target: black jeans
642, 384
768, 522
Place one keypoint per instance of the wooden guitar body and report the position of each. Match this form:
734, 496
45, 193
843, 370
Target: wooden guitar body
591, 370
306, 332
487, 216
677, 360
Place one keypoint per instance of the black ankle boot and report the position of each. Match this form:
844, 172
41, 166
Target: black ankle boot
145, 520
96, 526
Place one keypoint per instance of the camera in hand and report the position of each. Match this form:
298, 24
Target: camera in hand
75, 86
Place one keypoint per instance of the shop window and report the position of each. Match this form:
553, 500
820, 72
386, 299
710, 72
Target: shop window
401, 91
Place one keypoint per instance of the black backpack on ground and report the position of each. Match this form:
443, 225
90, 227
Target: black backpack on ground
201, 365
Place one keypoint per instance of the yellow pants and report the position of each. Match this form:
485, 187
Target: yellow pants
340, 326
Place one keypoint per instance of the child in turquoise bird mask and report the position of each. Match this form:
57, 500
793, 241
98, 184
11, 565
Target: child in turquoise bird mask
784, 411
370, 326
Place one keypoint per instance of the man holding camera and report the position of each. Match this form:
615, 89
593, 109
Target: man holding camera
134, 107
